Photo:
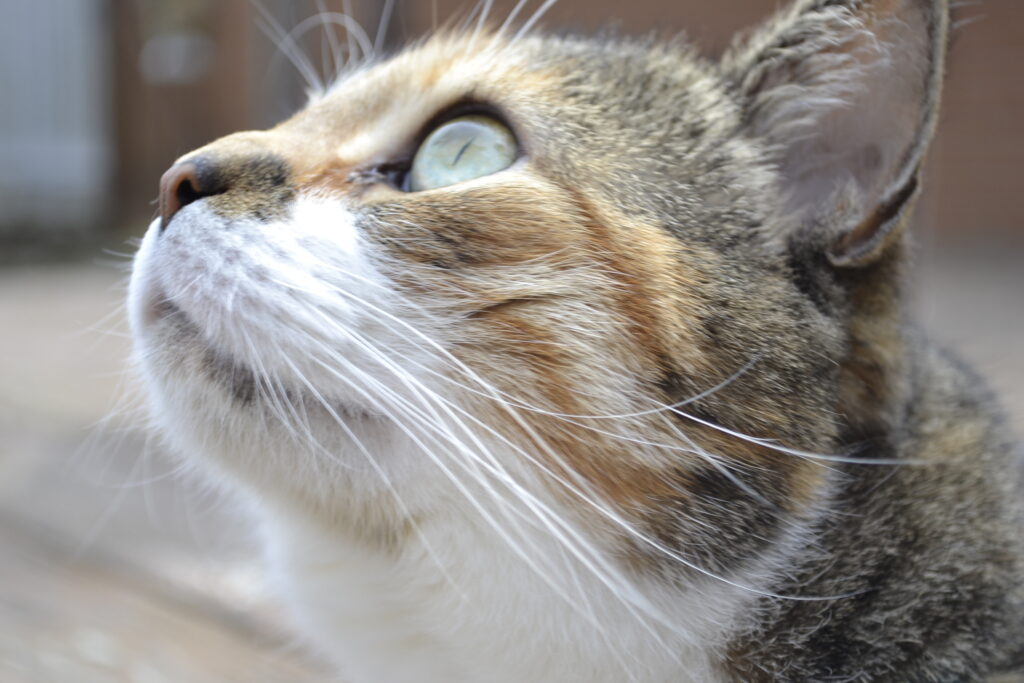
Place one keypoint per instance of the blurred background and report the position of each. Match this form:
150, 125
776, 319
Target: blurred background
114, 564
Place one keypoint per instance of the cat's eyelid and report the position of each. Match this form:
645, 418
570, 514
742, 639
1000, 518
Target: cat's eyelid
401, 164
465, 106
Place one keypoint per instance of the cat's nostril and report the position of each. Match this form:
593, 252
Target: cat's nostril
181, 185
259, 180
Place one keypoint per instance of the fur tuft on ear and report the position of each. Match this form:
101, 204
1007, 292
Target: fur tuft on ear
845, 93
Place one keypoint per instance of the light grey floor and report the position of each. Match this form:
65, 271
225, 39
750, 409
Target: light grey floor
115, 566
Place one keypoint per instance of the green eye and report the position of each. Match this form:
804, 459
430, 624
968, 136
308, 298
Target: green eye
462, 149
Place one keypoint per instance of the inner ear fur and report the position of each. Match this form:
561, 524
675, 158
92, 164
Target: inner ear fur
845, 94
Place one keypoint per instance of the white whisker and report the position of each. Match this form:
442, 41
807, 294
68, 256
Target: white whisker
332, 41
383, 26
600, 508
532, 21
287, 46
552, 522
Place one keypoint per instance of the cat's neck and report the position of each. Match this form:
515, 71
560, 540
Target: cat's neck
451, 599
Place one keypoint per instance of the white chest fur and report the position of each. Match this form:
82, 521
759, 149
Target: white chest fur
459, 605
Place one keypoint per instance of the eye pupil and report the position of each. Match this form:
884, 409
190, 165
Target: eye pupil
462, 149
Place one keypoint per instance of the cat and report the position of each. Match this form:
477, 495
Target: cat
554, 358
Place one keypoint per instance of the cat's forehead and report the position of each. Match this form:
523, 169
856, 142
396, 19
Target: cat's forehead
378, 107
372, 112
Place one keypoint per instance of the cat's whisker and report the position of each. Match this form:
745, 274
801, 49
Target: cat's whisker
521, 404
379, 471
483, 9
383, 26
507, 510
513, 13
711, 391
719, 462
275, 396
608, 513
350, 38
607, 575
532, 21
352, 28
672, 408
120, 255
771, 445
287, 46
591, 500
331, 37
357, 37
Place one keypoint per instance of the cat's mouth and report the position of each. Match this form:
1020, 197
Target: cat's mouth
180, 330
234, 377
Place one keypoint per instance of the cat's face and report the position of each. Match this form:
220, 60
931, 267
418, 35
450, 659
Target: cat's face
320, 322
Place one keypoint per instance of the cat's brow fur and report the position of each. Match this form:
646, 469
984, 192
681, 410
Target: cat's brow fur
644, 406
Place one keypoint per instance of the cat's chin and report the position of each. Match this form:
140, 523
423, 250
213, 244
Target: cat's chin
188, 354
277, 441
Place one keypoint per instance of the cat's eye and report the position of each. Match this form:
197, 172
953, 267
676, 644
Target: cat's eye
462, 149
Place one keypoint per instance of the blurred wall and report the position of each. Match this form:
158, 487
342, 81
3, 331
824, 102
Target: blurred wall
55, 133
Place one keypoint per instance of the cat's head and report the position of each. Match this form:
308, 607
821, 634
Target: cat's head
606, 273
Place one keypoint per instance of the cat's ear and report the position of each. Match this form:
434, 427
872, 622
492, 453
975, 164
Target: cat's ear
845, 93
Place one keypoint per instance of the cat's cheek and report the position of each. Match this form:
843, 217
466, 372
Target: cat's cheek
256, 293
231, 309
143, 296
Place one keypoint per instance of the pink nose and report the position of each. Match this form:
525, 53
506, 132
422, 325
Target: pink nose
258, 175
179, 187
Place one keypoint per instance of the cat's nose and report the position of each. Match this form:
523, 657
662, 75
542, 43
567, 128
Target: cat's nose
184, 183
257, 179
